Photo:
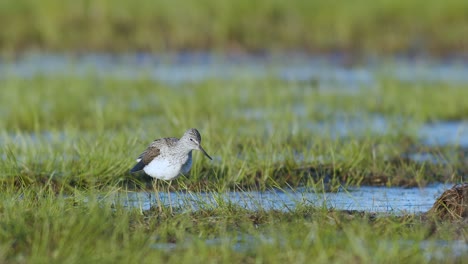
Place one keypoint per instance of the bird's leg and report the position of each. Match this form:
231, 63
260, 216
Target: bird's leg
149, 198
169, 195
156, 193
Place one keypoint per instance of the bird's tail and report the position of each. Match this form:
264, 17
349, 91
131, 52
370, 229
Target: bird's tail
138, 167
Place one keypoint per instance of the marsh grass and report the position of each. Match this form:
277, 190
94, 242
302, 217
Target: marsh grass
86, 131
68, 144
39, 224
378, 27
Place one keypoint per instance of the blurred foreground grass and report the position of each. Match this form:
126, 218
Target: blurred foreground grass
375, 27
40, 226
87, 131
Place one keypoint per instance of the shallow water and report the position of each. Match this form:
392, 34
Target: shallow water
367, 198
445, 133
194, 67
382, 200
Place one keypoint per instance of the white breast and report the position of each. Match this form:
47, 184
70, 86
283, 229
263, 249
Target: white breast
162, 169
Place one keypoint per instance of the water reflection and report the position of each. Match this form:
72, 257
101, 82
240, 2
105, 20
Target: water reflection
367, 198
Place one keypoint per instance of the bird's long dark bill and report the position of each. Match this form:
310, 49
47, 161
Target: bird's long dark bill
204, 152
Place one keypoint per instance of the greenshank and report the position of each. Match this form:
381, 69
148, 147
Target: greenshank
168, 158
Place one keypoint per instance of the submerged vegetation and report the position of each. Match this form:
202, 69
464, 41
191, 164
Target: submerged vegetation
377, 27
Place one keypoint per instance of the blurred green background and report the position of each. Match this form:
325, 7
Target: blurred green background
360, 26
86, 85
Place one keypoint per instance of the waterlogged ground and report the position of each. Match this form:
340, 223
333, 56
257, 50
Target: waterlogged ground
337, 71
391, 200
288, 118
314, 157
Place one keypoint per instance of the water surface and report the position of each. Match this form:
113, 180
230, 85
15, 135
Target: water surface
392, 200
326, 71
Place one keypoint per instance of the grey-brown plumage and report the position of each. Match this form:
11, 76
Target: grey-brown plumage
167, 158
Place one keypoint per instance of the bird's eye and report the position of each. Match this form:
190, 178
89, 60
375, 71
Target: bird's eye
191, 139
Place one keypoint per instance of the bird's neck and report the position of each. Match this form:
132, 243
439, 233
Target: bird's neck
182, 149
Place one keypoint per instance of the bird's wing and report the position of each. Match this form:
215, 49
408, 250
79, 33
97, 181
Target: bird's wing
149, 154
154, 149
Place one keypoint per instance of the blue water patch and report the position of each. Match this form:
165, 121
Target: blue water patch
392, 200
445, 133
324, 70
